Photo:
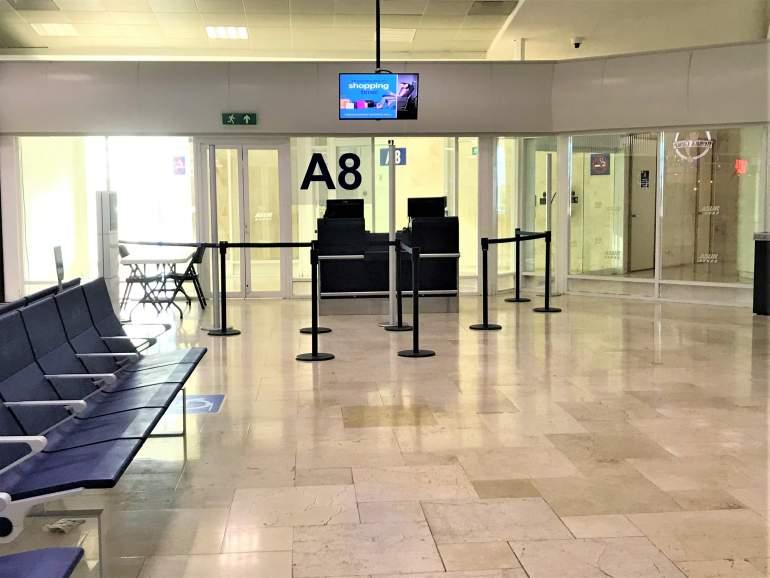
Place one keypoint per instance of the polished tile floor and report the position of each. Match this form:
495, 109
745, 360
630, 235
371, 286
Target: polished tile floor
618, 439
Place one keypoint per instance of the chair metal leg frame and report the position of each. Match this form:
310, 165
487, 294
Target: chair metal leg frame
183, 433
94, 514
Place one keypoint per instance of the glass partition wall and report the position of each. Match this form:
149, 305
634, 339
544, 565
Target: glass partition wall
669, 214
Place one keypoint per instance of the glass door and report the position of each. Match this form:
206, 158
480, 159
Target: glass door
252, 182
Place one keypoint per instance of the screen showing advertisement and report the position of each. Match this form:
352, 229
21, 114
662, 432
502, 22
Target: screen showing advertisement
378, 96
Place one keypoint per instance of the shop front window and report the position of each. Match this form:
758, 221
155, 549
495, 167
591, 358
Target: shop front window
712, 204
612, 205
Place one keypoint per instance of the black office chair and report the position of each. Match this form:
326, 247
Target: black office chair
136, 276
191, 275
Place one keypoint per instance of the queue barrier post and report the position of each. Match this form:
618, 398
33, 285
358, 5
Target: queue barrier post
547, 304
416, 351
399, 326
517, 298
485, 325
313, 329
224, 330
314, 355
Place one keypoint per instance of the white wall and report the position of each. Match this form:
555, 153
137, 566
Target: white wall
704, 86
290, 98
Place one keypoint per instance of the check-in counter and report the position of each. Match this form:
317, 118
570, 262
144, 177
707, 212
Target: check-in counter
354, 275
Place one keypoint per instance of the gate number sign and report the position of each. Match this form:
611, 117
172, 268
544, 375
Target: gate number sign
400, 155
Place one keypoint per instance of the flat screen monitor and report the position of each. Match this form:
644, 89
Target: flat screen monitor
379, 96
344, 209
426, 207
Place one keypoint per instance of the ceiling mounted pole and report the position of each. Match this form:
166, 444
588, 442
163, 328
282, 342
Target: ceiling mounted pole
377, 33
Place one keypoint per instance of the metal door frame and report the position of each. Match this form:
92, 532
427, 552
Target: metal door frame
243, 145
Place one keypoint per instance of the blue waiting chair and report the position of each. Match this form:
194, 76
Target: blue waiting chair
45, 563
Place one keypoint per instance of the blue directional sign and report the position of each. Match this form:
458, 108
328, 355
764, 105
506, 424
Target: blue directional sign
201, 404
400, 156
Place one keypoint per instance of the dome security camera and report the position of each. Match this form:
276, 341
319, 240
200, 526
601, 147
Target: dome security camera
577, 41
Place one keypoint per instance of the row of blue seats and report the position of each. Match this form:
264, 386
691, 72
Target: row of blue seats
77, 398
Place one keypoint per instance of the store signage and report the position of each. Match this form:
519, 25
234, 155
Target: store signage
741, 167
645, 179
318, 171
600, 164
708, 258
692, 149
239, 118
400, 156
180, 165
709, 210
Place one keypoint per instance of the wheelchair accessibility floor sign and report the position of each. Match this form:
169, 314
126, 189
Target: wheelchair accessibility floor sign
201, 404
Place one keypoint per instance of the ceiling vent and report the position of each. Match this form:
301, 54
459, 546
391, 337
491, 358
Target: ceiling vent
492, 7
34, 5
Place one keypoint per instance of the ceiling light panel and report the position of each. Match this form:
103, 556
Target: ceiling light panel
54, 29
227, 32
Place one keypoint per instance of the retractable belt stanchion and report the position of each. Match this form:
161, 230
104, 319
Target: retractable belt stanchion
224, 330
547, 305
485, 325
416, 351
313, 329
399, 326
314, 355
517, 298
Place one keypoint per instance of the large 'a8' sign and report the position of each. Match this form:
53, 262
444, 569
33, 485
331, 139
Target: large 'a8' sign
318, 171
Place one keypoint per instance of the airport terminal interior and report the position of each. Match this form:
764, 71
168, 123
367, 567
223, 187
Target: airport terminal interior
384, 288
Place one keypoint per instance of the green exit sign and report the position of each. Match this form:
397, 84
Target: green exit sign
239, 118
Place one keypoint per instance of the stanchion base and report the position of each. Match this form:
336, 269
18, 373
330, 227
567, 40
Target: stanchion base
487, 327
397, 327
518, 300
419, 353
309, 330
547, 310
224, 332
315, 357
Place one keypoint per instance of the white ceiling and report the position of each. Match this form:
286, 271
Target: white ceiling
343, 29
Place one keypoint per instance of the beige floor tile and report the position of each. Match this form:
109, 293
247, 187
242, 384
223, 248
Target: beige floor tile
701, 500
606, 448
257, 539
682, 536
323, 477
364, 549
257, 565
616, 557
720, 569
431, 439
699, 472
585, 496
516, 463
607, 526
300, 506
363, 450
493, 521
390, 512
505, 489
505, 573
412, 483
387, 416
478, 556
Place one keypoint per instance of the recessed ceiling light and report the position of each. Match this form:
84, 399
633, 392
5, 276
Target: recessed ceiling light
398, 34
54, 29
227, 32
